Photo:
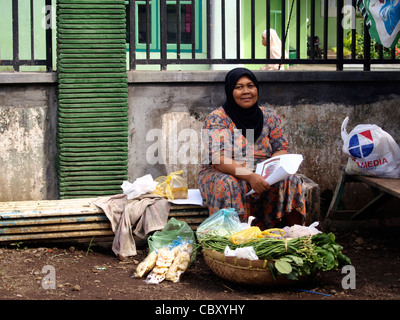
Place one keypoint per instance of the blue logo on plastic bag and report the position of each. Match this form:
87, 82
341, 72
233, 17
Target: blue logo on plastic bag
361, 144
390, 15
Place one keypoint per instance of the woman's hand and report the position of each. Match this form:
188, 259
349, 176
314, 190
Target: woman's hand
258, 183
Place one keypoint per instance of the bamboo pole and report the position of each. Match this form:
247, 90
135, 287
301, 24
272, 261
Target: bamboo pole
56, 235
57, 228
29, 213
51, 220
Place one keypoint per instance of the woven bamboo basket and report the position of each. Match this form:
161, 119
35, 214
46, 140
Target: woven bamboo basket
244, 271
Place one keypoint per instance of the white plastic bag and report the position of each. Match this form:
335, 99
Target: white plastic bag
297, 231
383, 20
241, 253
371, 151
140, 186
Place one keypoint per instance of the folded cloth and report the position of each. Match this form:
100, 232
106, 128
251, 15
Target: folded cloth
146, 213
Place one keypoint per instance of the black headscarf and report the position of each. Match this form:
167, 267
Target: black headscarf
251, 118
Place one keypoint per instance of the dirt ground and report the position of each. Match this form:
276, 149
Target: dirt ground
84, 272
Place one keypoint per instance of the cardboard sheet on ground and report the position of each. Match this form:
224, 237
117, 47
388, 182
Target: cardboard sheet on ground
194, 198
278, 168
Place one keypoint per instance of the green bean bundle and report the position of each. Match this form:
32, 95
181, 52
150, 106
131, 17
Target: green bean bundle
291, 257
265, 248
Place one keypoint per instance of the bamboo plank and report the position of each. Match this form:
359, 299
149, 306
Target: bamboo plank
51, 220
56, 235
76, 206
57, 228
47, 203
178, 214
23, 214
70, 219
191, 220
189, 207
29, 209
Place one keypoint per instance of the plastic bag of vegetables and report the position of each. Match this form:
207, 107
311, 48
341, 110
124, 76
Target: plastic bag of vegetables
222, 223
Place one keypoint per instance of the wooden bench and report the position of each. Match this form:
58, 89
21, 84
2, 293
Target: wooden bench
70, 219
384, 189
45, 220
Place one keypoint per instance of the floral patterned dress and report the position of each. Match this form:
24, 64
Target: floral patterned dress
221, 190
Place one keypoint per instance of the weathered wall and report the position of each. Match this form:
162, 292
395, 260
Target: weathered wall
168, 116
27, 138
167, 111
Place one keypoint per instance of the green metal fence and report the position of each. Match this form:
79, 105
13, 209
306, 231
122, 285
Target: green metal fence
27, 36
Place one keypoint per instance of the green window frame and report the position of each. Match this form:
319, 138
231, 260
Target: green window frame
155, 25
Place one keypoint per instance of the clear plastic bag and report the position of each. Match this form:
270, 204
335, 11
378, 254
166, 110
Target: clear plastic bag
173, 186
175, 230
297, 231
179, 266
222, 223
168, 262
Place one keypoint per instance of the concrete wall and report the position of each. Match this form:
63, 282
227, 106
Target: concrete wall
27, 136
166, 113
312, 106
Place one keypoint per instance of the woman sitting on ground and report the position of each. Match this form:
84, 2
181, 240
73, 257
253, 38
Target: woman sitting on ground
227, 174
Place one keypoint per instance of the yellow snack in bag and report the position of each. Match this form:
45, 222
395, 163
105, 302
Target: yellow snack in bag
178, 267
173, 186
146, 265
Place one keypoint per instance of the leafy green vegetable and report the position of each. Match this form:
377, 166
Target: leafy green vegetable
292, 258
283, 267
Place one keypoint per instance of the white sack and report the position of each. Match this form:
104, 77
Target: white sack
371, 151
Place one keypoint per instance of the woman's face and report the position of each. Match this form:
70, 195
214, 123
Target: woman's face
245, 92
264, 41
